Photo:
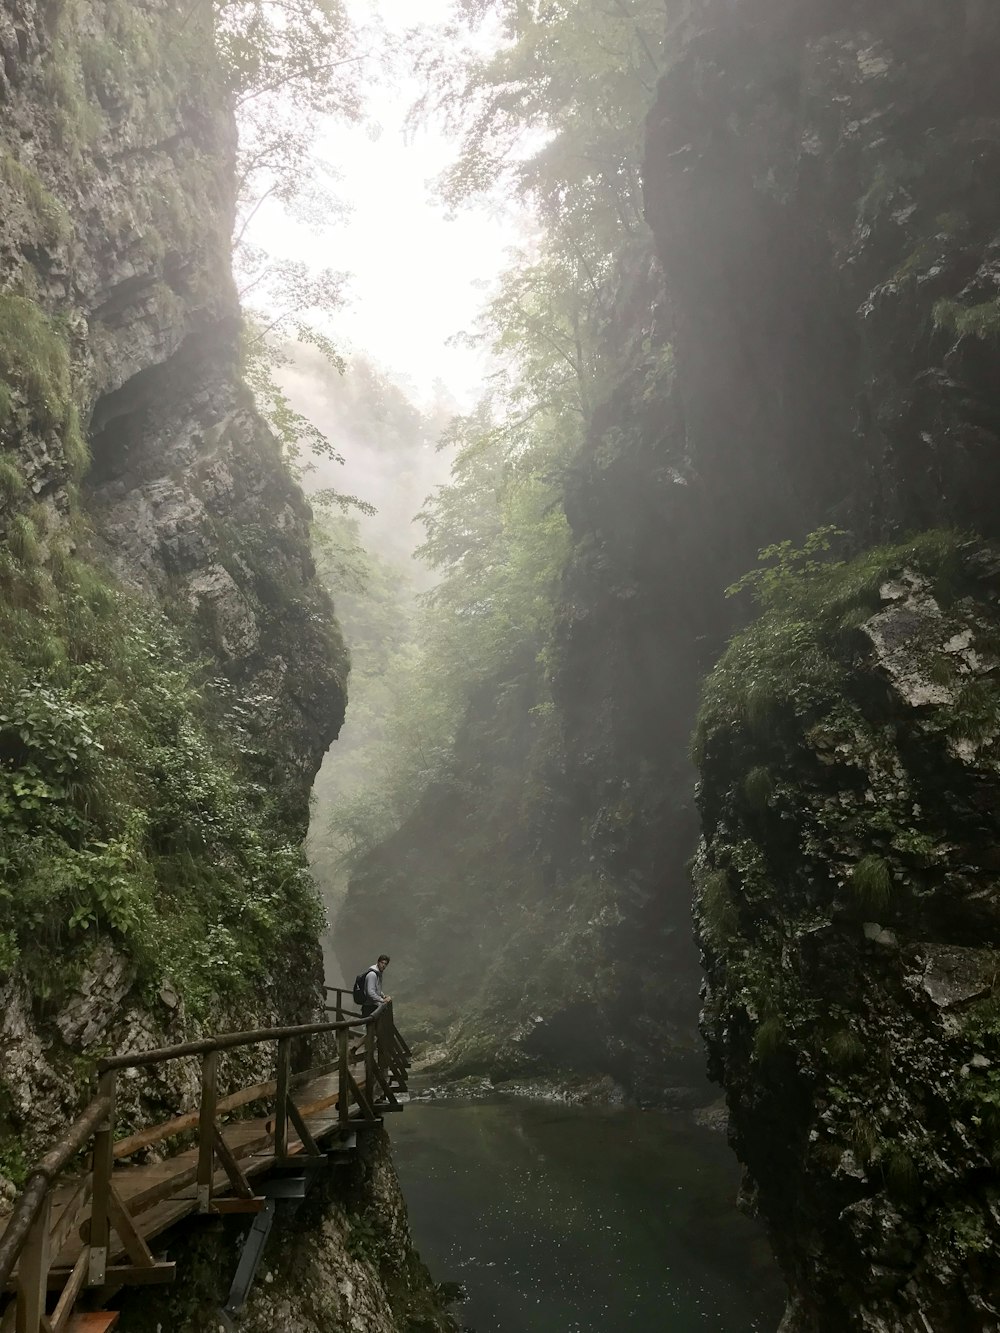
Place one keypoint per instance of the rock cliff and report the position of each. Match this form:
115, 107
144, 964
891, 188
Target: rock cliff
816, 182
171, 672
847, 914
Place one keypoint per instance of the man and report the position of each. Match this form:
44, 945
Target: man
374, 995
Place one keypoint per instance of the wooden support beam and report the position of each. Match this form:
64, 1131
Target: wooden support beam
343, 1077
103, 1163
206, 1129
384, 1084
308, 1142
370, 1056
281, 1102
63, 1312
70, 1214
360, 1098
135, 1247
231, 1167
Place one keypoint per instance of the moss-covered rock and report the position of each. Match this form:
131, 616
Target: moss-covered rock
170, 670
850, 929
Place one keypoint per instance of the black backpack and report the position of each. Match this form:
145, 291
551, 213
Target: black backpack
359, 985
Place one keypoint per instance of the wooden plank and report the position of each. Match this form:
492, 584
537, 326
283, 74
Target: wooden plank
122, 1275
63, 1312
70, 1213
136, 1248
101, 1321
226, 1206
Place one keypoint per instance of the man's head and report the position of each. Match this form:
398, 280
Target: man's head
383, 962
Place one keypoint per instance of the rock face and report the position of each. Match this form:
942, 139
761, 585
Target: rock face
849, 921
138, 480
170, 669
823, 351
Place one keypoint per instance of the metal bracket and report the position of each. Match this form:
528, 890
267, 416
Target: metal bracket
250, 1255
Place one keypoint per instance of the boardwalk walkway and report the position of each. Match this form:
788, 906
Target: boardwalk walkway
76, 1238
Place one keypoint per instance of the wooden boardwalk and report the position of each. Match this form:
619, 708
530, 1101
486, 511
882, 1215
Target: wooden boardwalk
74, 1242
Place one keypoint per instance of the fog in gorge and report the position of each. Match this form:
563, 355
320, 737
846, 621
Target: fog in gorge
659, 766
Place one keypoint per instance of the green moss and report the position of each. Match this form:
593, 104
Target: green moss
12, 483
864, 1137
52, 219
23, 539
14, 1165
770, 1040
975, 715
900, 1174
871, 883
969, 321
34, 359
845, 1048
758, 788
75, 446
719, 913
787, 664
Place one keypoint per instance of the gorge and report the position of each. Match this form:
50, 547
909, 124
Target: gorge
704, 607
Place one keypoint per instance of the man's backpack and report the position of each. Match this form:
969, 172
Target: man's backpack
359, 985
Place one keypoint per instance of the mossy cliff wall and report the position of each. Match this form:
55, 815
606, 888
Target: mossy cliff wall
818, 183
170, 670
848, 918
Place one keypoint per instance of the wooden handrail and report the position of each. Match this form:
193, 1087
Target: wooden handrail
25, 1241
37, 1185
227, 1042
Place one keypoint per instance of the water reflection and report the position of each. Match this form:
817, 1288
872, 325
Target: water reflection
572, 1220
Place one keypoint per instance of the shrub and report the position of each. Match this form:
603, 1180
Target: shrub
124, 806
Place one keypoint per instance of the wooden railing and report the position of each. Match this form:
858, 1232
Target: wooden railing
90, 1206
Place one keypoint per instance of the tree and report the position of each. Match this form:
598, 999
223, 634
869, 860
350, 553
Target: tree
290, 66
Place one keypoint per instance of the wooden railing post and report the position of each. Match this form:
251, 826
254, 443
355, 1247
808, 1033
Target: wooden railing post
343, 1083
340, 1006
283, 1076
381, 1033
103, 1163
33, 1272
206, 1129
370, 1062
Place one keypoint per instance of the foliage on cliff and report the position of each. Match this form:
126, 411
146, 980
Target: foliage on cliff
157, 658
478, 862
848, 750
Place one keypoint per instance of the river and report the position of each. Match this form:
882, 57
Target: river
563, 1219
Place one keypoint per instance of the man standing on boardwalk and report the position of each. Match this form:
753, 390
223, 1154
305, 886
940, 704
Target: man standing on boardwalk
374, 995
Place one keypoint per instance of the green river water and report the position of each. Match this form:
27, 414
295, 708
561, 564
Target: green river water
562, 1219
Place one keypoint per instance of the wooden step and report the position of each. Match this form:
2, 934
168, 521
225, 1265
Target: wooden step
93, 1323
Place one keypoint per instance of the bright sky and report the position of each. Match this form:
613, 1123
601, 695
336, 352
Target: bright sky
416, 278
